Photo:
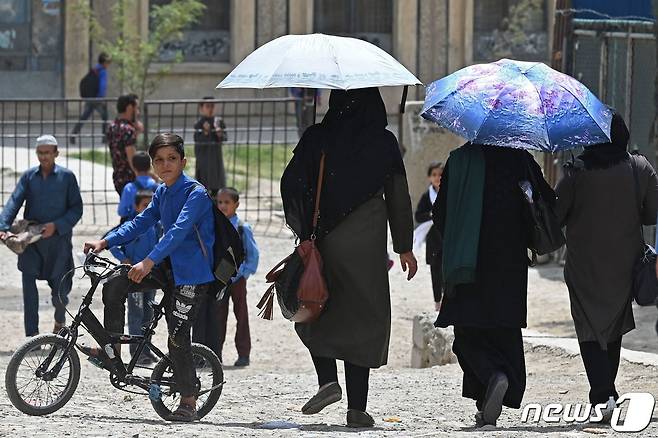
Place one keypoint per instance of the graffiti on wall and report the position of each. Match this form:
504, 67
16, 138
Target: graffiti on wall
197, 46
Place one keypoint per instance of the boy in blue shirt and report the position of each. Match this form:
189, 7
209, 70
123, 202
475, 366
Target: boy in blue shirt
210, 329
139, 312
183, 258
143, 181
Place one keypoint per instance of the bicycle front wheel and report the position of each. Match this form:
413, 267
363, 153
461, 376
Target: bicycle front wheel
210, 376
32, 392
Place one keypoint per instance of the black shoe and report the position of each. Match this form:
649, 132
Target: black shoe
326, 395
243, 361
72, 139
493, 399
356, 418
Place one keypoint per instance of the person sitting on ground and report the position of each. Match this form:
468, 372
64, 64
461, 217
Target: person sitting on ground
185, 253
52, 198
143, 181
139, 310
210, 329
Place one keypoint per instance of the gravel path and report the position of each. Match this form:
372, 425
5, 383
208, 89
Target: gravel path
269, 393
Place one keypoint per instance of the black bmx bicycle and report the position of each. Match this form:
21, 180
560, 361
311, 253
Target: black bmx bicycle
43, 373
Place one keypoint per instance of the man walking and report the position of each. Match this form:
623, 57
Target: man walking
52, 199
94, 85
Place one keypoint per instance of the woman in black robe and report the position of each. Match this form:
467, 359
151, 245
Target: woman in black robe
364, 186
488, 314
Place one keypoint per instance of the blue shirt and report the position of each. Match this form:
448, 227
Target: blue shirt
53, 199
102, 80
138, 249
127, 202
184, 210
250, 264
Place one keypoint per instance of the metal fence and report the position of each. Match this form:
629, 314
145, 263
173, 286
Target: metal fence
261, 136
616, 59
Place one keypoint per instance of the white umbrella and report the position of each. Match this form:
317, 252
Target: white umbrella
318, 61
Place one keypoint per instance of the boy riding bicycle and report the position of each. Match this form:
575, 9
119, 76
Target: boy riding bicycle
180, 260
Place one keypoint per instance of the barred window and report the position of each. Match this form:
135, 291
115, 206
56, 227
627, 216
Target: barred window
510, 29
207, 40
370, 20
30, 35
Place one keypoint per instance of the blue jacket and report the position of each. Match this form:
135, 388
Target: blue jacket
102, 80
184, 210
127, 202
138, 249
250, 264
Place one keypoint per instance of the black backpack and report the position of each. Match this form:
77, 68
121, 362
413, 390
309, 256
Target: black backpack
89, 84
228, 252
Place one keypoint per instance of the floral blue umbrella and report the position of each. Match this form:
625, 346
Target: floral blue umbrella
518, 104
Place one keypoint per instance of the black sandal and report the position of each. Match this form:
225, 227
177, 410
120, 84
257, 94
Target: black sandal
185, 413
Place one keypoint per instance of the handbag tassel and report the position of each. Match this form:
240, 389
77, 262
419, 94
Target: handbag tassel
266, 304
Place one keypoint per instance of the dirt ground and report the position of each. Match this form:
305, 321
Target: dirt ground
264, 399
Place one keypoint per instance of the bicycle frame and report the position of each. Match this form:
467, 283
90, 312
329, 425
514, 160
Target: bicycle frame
86, 318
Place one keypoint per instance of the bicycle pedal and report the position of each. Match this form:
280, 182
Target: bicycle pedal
155, 392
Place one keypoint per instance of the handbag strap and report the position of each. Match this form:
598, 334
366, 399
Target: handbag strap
316, 211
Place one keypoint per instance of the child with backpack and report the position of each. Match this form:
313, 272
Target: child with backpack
181, 264
139, 310
210, 328
143, 181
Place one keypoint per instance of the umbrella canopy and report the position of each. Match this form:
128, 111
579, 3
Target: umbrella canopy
518, 104
318, 61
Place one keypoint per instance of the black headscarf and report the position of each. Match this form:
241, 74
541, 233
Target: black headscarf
360, 154
604, 155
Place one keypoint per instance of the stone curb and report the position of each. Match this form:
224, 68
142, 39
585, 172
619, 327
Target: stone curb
570, 345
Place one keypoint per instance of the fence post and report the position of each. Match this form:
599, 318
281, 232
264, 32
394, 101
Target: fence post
146, 125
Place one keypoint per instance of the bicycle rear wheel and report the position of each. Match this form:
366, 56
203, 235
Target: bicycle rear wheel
209, 374
36, 395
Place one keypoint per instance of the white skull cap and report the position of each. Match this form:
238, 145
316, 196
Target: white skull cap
46, 140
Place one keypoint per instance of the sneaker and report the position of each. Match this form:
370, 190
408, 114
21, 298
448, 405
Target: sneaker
97, 357
356, 418
608, 410
326, 395
493, 398
243, 361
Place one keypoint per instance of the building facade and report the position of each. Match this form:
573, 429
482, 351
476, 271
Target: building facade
45, 47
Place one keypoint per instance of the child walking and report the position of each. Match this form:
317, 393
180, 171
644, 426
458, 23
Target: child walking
181, 259
433, 254
139, 310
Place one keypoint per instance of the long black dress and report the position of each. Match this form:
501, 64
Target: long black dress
489, 314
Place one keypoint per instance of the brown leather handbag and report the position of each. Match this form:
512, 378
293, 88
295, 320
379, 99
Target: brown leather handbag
297, 280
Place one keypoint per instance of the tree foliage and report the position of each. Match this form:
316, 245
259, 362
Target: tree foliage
134, 54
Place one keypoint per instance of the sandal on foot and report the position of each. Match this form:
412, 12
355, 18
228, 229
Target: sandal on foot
326, 395
356, 418
184, 413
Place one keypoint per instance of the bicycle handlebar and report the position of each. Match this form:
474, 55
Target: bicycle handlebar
93, 260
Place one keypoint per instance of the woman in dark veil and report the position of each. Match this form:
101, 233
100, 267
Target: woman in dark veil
364, 186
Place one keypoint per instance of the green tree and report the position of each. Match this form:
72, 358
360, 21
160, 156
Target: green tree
134, 54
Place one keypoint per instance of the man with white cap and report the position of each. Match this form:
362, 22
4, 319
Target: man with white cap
52, 199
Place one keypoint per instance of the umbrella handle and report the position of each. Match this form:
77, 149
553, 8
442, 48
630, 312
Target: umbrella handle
404, 98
